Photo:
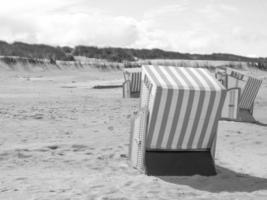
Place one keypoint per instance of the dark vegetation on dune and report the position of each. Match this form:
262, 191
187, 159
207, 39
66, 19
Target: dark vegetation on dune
33, 52
40, 51
122, 54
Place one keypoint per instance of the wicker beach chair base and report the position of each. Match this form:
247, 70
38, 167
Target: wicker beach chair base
179, 163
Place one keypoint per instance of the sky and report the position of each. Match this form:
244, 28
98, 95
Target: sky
187, 26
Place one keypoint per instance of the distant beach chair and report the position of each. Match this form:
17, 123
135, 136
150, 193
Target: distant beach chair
230, 78
175, 130
132, 84
241, 94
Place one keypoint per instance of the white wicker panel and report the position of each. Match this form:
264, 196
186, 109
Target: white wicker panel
145, 96
142, 133
230, 107
135, 145
138, 142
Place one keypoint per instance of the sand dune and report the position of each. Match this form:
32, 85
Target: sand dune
61, 139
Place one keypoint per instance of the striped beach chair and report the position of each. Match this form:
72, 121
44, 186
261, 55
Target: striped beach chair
174, 132
241, 93
240, 107
132, 84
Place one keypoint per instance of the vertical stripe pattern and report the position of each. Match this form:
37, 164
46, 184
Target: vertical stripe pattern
186, 109
134, 75
249, 93
135, 83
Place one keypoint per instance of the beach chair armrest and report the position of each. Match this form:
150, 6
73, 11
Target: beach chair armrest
234, 88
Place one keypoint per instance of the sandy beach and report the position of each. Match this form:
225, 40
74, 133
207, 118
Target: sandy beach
62, 140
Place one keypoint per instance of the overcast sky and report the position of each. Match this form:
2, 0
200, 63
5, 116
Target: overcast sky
194, 26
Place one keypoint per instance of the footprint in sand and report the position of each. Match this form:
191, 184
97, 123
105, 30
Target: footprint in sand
38, 116
128, 183
53, 147
3, 155
61, 153
22, 156
21, 179
18, 150
68, 132
111, 128
100, 157
42, 150
123, 156
107, 149
111, 156
79, 147
97, 186
258, 142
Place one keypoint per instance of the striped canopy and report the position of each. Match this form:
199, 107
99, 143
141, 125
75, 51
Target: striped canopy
184, 107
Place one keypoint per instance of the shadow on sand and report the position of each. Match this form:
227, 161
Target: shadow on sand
225, 181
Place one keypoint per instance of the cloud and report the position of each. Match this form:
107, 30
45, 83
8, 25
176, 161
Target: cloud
208, 26
72, 23
89, 29
68, 26
204, 26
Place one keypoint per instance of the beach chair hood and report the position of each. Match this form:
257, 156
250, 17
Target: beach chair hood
184, 107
